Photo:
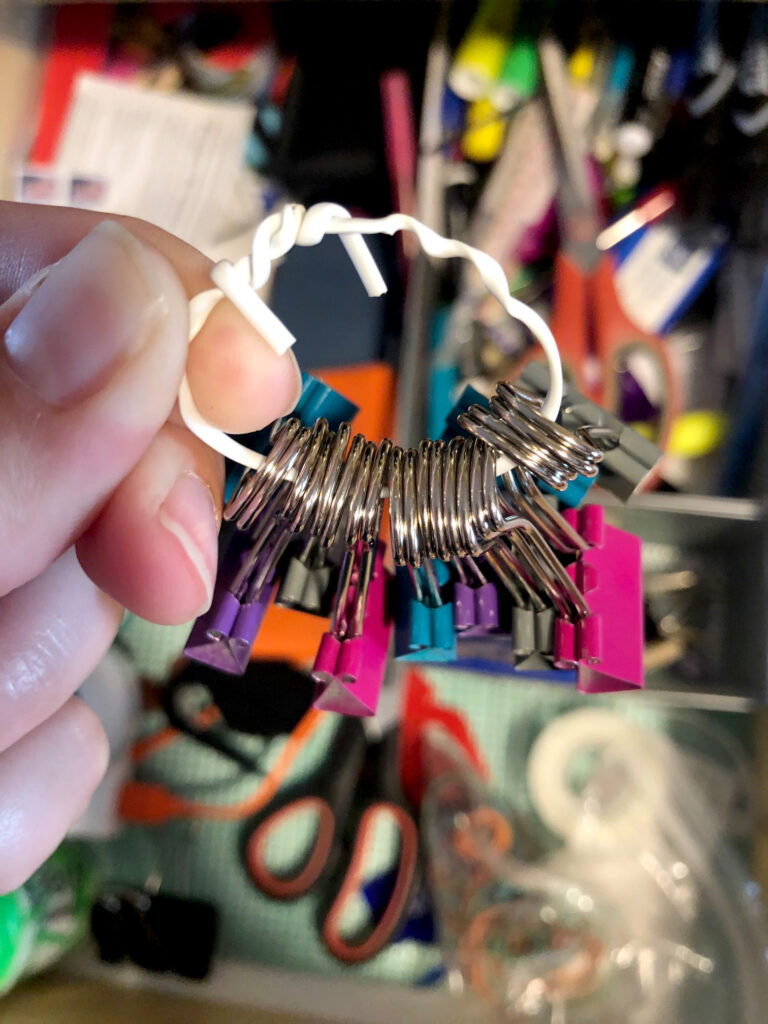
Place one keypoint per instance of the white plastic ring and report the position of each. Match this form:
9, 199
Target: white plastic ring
564, 811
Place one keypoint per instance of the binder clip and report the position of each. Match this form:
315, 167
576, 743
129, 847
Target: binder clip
306, 583
475, 608
318, 400
424, 623
351, 660
536, 590
606, 646
468, 397
533, 638
628, 457
224, 636
512, 421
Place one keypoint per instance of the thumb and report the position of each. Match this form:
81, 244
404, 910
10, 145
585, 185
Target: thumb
93, 352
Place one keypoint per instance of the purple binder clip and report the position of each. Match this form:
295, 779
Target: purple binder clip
224, 635
475, 608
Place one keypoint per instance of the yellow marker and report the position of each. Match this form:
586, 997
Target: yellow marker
480, 56
485, 132
478, 65
697, 433
582, 64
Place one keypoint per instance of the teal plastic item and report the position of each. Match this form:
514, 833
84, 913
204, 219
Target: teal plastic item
443, 380
317, 400
575, 492
423, 633
320, 400
469, 396
443, 377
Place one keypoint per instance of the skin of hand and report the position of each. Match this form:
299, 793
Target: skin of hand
106, 500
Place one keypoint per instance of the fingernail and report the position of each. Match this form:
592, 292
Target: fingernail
94, 309
189, 514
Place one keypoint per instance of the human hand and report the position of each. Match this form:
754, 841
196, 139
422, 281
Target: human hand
106, 499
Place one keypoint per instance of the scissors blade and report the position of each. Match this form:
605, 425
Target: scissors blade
570, 141
577, 206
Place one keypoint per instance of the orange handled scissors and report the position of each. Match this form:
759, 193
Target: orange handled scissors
347, 796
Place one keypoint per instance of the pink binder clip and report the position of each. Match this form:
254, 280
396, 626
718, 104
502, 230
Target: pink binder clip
607, 645
352, 657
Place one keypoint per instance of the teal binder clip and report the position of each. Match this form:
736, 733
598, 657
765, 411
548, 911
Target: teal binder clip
424, 629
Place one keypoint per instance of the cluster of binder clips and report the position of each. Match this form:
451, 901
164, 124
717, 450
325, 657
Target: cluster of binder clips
489, 573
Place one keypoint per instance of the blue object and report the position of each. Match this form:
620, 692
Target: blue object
489, 665
621, 70
740, 451
420, 925
575, 492
678, 75
434, 976
423, 633
317, 400
443, 380
318, 295
443, 376
713, 243
717, 255
454, 115
469, 396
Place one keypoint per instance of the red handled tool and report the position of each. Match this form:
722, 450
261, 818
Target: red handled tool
598, 342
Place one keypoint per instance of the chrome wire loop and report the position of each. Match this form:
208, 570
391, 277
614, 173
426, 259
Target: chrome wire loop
446, 502
515, 427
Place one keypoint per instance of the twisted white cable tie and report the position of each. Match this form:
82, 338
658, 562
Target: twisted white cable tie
295, 225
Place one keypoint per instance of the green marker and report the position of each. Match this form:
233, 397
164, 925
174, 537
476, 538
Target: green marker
519, 75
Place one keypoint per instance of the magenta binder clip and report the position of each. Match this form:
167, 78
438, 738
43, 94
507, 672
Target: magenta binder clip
352, 657
607, 646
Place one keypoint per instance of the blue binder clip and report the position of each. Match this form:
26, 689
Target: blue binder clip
319, 399
424, 629
469, 396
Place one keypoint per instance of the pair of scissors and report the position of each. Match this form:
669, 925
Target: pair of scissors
602, 349
348, 795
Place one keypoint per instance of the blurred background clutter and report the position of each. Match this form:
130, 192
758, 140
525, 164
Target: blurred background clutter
505, 838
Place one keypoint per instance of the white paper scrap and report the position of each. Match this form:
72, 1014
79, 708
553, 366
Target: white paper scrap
175, 159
